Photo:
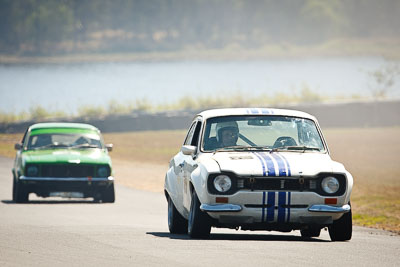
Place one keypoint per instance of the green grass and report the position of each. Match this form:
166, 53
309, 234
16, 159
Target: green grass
389, 223
368, 220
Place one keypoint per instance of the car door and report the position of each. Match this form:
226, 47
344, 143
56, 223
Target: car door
18, 157
179, 162
190, 163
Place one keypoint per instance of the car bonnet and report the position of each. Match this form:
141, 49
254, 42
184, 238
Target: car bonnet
274, 164
87, 156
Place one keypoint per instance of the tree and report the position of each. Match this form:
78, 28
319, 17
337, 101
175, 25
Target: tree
382, 80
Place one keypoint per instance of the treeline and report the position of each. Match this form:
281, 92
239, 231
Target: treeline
48, 27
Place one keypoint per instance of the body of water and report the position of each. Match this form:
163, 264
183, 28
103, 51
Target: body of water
68, 87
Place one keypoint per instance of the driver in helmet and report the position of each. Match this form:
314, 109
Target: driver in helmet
227, 133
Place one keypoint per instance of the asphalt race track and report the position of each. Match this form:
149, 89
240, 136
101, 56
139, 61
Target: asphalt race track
133, 232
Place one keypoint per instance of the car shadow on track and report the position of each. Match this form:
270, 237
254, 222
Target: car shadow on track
52, 202
239, 237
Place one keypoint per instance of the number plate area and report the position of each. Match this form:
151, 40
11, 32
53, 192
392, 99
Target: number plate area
67, 194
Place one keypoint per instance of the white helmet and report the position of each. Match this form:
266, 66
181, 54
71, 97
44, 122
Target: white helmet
226, 125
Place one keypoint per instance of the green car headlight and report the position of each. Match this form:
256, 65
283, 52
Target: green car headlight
102, 171
32, 171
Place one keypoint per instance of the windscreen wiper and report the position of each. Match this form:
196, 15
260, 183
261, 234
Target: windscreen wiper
242, 148
229, 148
304, 148
258, 148
51, 146
85, 146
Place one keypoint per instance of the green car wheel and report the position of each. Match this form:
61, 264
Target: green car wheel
21, 193
108, 196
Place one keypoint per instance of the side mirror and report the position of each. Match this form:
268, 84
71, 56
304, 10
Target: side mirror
188, 150
17, 146
109, 147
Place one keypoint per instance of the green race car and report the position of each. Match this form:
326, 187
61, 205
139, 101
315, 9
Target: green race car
63, 159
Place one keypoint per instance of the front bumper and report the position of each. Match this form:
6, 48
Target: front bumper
46, 186
281, 208
67, 179
328, 208
220, 208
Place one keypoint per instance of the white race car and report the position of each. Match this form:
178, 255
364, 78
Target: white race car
257, 169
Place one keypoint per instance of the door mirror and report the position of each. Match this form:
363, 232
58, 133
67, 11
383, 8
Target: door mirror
109, 147
188, 150
18, 146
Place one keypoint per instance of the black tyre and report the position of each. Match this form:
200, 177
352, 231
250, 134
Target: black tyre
14, 190
21, 193
108, 195
199, 225
176, 223
342, 229
311, 231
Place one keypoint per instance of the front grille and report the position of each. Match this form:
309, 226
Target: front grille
279, 184
67, 170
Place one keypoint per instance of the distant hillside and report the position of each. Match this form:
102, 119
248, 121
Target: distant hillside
54, 27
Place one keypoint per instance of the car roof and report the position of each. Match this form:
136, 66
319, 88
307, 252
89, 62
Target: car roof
253, 111
48, 125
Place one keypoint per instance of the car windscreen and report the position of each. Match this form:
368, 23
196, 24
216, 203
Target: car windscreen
63, 140
262, 132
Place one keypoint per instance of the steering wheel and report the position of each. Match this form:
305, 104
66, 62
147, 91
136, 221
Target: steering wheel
284, 141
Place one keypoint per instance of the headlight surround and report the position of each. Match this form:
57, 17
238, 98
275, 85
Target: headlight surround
222, 183
330, 184
102, 171
32, 171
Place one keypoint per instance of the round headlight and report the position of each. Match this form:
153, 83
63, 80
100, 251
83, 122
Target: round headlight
102, 171
330, 185
32, 171
222, 183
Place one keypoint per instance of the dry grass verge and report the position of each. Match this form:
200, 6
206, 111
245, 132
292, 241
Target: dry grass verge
140, 160
372, 156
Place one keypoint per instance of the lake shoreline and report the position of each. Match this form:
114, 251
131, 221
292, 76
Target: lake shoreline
387, 49
98, 87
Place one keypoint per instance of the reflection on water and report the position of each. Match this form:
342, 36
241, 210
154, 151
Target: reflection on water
71, 86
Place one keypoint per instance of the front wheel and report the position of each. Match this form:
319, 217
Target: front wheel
342, 229
176, 223
21, 193
14, 190
108, 196
199, 225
